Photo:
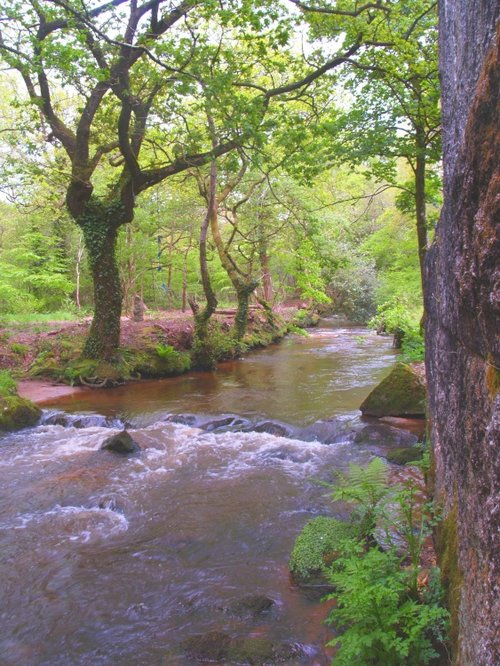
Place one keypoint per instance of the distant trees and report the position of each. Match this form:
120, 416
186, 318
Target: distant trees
124, 94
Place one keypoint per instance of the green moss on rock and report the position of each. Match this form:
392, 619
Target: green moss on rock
315, 547
401, 393
451, 574
17, 413
404, 455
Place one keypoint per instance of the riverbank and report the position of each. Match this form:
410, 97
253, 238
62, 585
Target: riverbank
157, 347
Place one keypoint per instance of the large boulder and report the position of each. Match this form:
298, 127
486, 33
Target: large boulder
401, 393
17, 413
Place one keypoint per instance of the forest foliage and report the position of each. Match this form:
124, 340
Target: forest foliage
318, 165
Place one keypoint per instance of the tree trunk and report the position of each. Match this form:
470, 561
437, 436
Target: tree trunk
243, 293
202, 318
244, 286
420, 204
100, 230
267, 283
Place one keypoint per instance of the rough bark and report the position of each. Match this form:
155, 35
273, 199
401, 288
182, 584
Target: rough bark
463, 308
100, 224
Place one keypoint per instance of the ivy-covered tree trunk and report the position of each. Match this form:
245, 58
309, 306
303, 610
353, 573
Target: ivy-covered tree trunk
100, 224
243, 293
267, 283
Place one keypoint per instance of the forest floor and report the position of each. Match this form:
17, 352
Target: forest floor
37, 350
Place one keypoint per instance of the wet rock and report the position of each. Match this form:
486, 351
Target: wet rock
17, 413
401, 393
274, 428
226, 423
252, 605
404, 455
80, 420
385, 436
121, 443
218, 647
213, 646
328, 431
183, 419
262, 652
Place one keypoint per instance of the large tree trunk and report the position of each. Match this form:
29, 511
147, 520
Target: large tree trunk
100, 230
420, 204
243, 293
463, 313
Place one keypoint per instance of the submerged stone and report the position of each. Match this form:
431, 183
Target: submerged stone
17, 413
218, 647
212, 646
121, 443
401, 393
252, 605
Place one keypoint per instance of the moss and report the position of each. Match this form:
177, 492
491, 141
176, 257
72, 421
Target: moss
161, 361
404, 455
305, 319
451, 575
46, 365
17, 413
315, 547
492, 378
401, 393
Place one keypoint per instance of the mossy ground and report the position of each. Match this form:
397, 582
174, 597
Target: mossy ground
150, 349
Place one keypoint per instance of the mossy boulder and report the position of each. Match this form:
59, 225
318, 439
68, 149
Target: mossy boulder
404, 455
316, 547
401, 393
17, 413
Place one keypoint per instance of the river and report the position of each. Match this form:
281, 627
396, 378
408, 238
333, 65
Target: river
108, 560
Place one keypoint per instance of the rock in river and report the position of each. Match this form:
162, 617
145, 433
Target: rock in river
401, 393
385, 435
120, 443
17, 413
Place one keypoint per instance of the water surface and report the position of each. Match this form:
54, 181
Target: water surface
107, 560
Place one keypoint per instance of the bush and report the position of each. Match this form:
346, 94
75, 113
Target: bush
392, 316
413, 346
7, 384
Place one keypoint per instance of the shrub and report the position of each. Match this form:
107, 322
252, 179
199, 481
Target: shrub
7, 384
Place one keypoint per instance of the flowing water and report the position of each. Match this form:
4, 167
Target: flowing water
109, 560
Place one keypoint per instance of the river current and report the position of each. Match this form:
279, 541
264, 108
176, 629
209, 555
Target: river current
109, 560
